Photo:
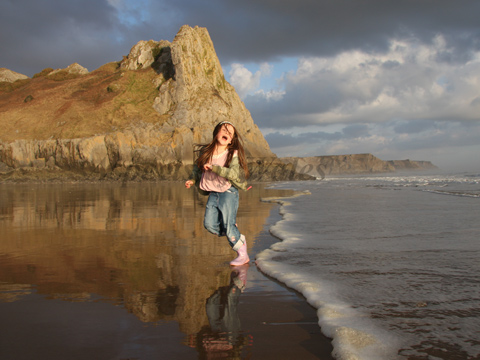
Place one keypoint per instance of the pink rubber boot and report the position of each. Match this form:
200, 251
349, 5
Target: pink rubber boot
242, 257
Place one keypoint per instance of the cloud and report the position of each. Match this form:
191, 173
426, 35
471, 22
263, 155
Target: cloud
261, 30
408, 82
320, 139
270, 95
414, 126
244, 81
41, 33
356, 131
131, 13
278, 139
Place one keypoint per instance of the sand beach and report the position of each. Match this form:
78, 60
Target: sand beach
126, 271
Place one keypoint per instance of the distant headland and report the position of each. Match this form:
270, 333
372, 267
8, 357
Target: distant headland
352, 164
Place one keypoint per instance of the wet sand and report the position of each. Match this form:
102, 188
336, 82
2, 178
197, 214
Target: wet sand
111, 271
285, 325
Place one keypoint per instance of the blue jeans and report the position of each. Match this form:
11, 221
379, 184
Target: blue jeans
221, 216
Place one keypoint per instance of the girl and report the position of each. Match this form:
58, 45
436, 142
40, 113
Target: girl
217, 172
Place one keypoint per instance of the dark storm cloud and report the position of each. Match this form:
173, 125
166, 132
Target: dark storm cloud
303, 99
36, 34
260, 30
55, 33
279, 114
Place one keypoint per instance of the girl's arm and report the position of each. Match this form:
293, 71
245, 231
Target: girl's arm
231, 173
196, 176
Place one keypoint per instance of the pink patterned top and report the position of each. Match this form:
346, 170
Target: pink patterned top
214, 182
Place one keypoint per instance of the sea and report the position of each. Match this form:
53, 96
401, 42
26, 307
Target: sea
390, 262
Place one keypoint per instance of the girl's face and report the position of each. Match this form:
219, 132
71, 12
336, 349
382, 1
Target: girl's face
225, 135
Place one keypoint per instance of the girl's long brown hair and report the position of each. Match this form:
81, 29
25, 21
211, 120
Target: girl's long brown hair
206, 150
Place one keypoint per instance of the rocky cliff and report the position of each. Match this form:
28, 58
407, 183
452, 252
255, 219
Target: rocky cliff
408, 165
322, 166
136, 118
10, 76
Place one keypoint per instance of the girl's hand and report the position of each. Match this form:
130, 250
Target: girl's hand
207, 167
188, 183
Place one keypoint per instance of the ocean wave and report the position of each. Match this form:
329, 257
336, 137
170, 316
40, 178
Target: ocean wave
455, 193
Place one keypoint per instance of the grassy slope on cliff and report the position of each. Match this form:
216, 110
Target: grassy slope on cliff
66, 106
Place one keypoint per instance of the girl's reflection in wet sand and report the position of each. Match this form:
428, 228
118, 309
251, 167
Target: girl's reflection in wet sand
223, 337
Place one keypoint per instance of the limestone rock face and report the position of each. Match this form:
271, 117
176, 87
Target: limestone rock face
11, 76
74, 69
408, 164
143, 54
198, 97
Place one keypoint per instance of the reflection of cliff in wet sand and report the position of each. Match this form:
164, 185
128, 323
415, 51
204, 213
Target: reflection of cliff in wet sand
140, 245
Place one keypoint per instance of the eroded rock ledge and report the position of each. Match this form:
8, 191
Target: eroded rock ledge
112, 157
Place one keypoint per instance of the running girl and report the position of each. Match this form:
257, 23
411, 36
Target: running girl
218, 173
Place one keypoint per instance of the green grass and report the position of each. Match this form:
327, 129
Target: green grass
6, 86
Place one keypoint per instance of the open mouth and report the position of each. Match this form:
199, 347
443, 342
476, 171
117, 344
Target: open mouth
225, 138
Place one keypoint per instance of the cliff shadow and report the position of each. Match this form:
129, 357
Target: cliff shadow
163, 63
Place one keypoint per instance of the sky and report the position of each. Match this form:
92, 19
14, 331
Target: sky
396, 78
